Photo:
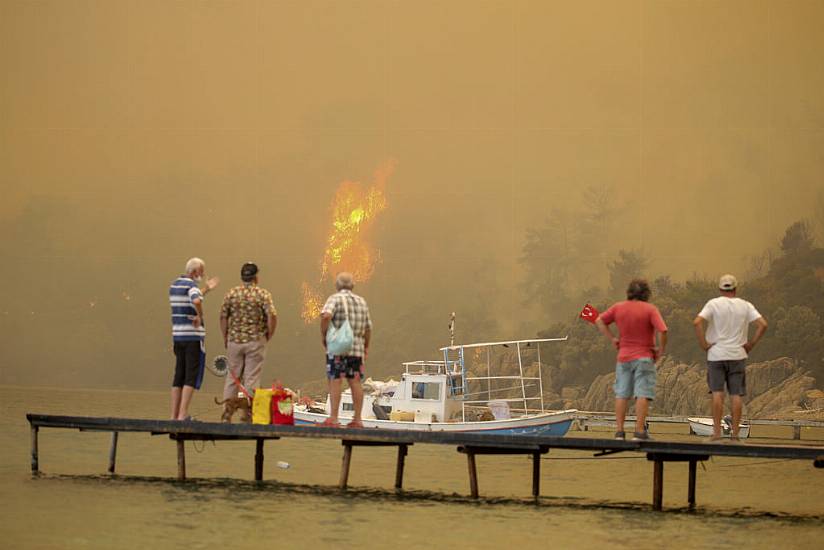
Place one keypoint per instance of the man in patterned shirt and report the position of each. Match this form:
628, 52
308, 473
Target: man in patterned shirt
247, 320
350, 365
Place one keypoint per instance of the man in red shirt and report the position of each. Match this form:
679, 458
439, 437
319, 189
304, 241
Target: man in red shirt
637, 322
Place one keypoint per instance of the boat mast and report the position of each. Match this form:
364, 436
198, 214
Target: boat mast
540, 376
521, 369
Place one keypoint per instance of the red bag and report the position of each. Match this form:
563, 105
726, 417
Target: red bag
282, 406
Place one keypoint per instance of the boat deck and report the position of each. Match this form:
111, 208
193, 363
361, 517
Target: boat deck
471, 444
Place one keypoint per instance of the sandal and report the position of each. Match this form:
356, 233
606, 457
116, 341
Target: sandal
329, 423
355, 424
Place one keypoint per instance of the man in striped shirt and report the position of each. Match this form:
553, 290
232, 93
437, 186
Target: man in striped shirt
188, 334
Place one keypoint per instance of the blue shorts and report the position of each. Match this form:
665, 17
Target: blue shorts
635, 379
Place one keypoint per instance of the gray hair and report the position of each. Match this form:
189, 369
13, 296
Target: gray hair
344, 280
194, 264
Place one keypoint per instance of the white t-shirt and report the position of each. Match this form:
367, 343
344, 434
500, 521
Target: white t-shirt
728, 325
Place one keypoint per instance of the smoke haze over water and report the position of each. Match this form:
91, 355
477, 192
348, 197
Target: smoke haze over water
134, 135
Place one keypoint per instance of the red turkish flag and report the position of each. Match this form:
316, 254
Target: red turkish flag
589, 313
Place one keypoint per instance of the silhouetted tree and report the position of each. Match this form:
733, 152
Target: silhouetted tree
797, 238
629, 265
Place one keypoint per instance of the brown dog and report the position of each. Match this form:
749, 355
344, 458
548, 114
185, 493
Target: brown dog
233, 404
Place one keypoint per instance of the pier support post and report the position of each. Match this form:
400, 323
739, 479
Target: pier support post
402, 451
35, 458
344, 469
535, 451
473, 473
181, 460
658, 484
797, 431
113, 452
259, 459
658, 475
691, 488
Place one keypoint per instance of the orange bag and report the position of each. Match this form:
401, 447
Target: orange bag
282, 406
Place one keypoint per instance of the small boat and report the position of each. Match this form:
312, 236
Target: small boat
445, 396
703, 426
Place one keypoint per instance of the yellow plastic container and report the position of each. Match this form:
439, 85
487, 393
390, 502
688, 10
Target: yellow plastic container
402, 416
262, 406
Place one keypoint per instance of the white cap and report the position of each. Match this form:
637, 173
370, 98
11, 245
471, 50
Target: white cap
727, 282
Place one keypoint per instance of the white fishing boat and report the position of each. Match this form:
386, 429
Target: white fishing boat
703, 426
436, 396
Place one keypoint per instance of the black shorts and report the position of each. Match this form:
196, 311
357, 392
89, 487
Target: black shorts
190, 361
339, 366
731, 373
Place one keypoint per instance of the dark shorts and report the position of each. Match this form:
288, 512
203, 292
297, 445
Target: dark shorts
190, 361
731, 373
339, 366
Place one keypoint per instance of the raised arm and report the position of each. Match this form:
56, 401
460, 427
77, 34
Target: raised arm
760, 329
698, 323
607, 332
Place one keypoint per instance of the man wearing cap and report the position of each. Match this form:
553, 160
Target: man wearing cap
728, 319
247, 320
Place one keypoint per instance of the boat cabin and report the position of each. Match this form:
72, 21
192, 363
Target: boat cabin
427, 392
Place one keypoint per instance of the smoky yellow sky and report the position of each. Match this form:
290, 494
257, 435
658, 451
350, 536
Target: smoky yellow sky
135, 134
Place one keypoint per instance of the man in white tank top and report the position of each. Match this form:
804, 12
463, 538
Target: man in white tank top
727, 346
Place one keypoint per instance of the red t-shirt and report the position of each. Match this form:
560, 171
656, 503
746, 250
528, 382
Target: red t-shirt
637, 322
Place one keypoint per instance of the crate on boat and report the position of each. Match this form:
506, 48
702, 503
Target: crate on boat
402, 416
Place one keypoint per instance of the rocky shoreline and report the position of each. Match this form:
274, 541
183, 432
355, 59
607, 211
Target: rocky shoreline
779, 389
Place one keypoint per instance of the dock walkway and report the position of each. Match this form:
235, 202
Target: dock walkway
470, 444
585, 419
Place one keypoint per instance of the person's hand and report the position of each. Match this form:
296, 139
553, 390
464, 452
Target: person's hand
706, 346
197, 321
616, 342
212, 283
323, 340
748, 346
657, 355
225, 341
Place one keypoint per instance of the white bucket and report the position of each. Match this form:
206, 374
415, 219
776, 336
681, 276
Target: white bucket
500, 409
423, 417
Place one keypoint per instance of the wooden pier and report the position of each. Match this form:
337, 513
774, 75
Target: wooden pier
470, 444
585, 419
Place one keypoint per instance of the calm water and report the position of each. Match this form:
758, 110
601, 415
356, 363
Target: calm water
587, 503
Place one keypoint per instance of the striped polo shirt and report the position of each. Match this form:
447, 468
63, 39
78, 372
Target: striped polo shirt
181, 293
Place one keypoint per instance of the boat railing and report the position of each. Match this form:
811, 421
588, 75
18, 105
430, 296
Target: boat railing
430, 367
484, 404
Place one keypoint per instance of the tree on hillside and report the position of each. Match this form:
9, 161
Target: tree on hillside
547, 258
798, 238
818, 217
629, 265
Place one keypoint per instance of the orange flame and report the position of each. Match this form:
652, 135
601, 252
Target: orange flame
347, 247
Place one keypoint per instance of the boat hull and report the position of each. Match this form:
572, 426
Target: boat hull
703, 427
553, 424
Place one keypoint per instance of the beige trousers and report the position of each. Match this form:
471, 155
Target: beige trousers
246, 363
